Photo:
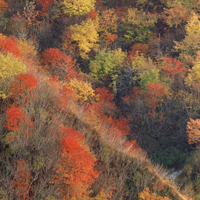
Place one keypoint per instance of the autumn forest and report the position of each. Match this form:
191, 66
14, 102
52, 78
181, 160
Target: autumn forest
99, 99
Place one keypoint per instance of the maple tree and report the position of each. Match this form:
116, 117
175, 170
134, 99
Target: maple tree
76, 166
122, 125
68, 45
17, 26
58, 64
21, 181
45, 4
172, 73
105, 101
138, 49
8, 45
174, 67
92, 15
55, 57
143, 57
133, 95
155, 94
14, 118
23, 84
63, 98
104, 94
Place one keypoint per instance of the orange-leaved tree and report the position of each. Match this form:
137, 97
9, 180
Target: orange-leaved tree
106, 100
28, 49
75, 172
58, 63
193, 130
45, 4
8, 45
122, 125
14, 119
174, 67
3, 6
22, 86
154, 95
108, 23
20, 181
92, 15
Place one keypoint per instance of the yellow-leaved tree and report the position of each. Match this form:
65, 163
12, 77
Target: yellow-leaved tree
86, 36
193, 78
74, 7
27, 49
189, 46
10, 66
147, 195
84, 90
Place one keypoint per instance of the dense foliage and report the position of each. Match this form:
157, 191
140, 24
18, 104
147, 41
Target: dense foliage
95, 95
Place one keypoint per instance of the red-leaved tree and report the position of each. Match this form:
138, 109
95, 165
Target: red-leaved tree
8, 45
14, 119
154, 95
57, 63
174, 67
92, 15
20, 181
22, 86
76, 171
45, 4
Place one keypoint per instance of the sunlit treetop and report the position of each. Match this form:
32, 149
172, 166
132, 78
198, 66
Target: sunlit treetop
74, 7
9, 67
189, 46
86, 36
105, 63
